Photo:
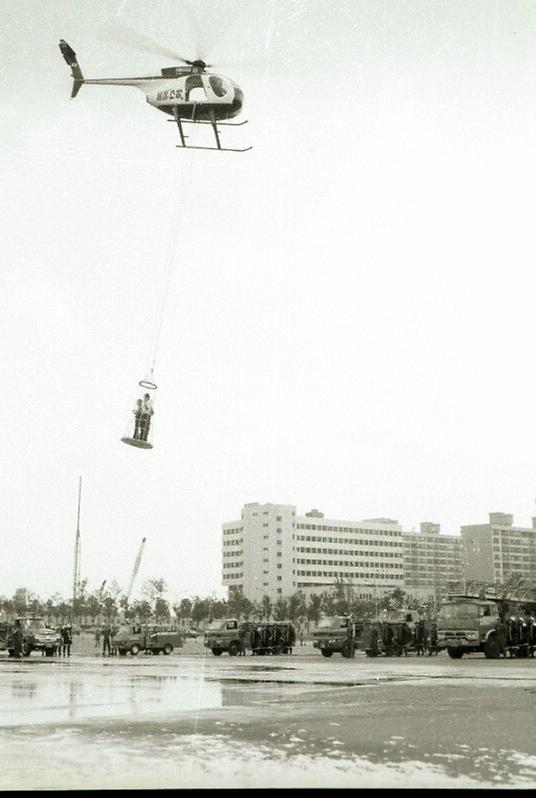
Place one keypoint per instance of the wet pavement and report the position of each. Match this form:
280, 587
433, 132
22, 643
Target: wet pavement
302, 721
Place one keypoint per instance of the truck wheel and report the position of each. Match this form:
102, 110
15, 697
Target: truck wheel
26, 651
370, 653
492, 650
135, 649
217, 651
233, 649
455, 653
122, 652
168, 648
49, 652
11, 652
326, 652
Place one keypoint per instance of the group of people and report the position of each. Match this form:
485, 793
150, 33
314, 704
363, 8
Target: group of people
66, 635
516, 635
142, 418
106, 636
396, 639
272, 638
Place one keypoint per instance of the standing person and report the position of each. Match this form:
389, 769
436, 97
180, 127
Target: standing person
66, 639
420, 637
106, 641
145, 417
502, 636
60, 647
97, 637
113, 647
433, 639
17, 639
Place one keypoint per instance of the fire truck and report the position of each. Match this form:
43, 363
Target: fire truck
235, 637
337, 633
36, 636
468, 624
153, 638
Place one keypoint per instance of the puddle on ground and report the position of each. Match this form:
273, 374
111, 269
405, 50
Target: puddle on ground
27, 701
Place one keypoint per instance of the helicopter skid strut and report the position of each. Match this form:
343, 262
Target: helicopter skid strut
179, 122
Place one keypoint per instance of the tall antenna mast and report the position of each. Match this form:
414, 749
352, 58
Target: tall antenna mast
77, 549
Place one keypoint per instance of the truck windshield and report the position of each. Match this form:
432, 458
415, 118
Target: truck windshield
33, 624
330, 623
466, 610
216, 626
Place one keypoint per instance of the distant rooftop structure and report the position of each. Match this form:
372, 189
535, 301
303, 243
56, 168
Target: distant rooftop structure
501, 519
379, 521
314, 514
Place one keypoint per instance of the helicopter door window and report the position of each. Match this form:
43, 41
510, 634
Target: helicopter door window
195, 91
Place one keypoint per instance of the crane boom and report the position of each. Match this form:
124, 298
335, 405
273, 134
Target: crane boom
135, 568
77, 548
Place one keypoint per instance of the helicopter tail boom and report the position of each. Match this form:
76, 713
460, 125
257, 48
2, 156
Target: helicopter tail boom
70, 57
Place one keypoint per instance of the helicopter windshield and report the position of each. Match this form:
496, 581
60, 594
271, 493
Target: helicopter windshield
217, 86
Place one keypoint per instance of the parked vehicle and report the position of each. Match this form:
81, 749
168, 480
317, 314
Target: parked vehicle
154, 638
492, 626
236, 637
36, 636
338, 633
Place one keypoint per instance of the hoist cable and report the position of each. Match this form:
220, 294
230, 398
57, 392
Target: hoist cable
178, 216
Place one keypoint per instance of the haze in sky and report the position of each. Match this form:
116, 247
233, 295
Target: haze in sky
349, 321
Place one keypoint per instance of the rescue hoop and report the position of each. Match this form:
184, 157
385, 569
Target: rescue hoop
152, 386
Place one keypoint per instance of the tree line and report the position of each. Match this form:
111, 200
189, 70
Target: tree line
110, 602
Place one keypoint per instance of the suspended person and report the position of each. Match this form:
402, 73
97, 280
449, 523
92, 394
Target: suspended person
137, 419
145, 417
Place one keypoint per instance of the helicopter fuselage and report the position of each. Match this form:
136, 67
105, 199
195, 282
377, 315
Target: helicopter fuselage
189, 94
201, 96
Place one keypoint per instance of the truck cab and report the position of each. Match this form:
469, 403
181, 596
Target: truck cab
466, 625
226, 635
336, 633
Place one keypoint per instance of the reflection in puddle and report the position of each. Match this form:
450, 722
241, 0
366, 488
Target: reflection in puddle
67, 698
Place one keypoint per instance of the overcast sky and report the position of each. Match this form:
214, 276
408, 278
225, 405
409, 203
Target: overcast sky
350, 319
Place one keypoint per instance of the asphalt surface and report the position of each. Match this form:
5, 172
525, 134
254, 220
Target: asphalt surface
190, 720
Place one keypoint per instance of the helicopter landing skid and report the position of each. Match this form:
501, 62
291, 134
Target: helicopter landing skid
179, 122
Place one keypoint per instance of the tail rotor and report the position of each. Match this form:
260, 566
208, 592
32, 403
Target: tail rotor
70, 57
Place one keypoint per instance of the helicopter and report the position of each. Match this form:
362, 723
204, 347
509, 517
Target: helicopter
188, 93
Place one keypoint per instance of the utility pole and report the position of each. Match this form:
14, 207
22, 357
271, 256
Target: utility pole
77, 549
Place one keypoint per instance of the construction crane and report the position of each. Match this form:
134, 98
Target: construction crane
135, 570
77, 548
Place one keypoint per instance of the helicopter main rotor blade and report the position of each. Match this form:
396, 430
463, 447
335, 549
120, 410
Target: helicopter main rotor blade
120, 33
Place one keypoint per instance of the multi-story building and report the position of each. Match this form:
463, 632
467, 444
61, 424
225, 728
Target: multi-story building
432, 562
498, 550
272, 551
